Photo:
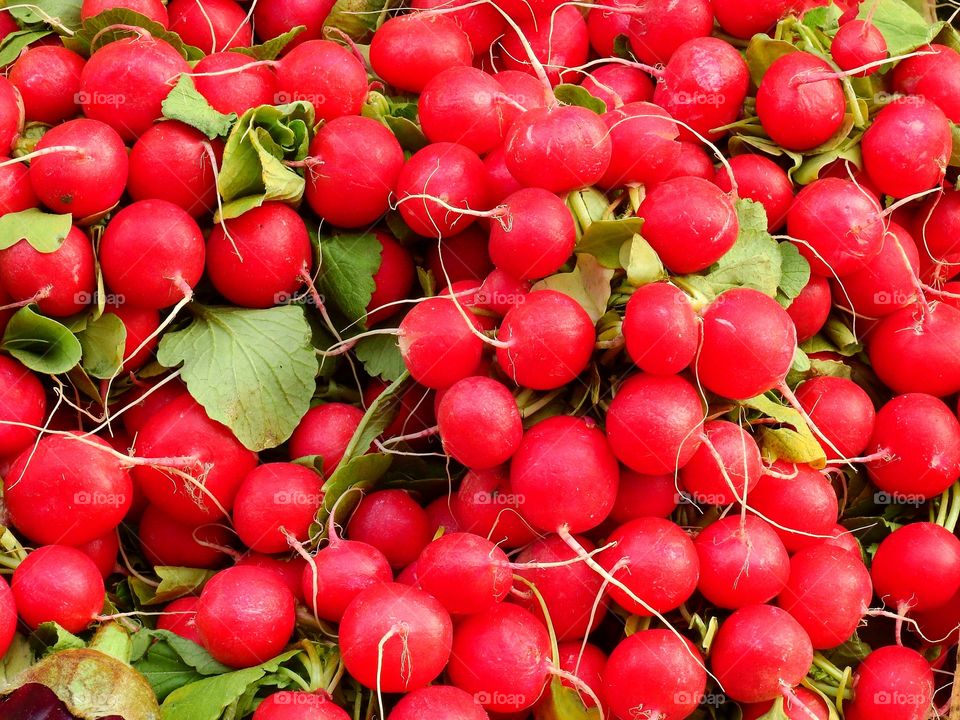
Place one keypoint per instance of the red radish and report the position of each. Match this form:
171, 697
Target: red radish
297, 705
289, 569
906, 149
465, 572
617, 84
693, 162
272, 18
180, 617
500, 657
858, 43
393, 523
886, 283
245, 616
483, 24
568, 591
644, 496
171, 162
7, 25
745, 18
324, 74
660, 329
486, 505
501, 292
558, 148
500, 182
588, 664
84, 182
942, 622
799, 707
761, 180
11, 115
325, 431
235, 91
753, 664
463, 105
933, 76
438, 344
48, 78
800, 500
657, 672
800, 103
16, 192
103, 551
60, 584
211, 25
464, 256
479, 423
408, 51
523, 89
441, 516
92, 490
450, 703
559, 41
845, 540
393, 279
842, 411
395, 638
728, 456
165, 541
742, 562
891, 683
811, 308
151, 9
658, 27
183, 429
640, 124
142, 410
415, 413
344, 568
358, 162
935, 229
549, 340
654, 423
124, 83
732, 325
276, 501
606, 21
828, 593
566, 474
917, 567
535, 236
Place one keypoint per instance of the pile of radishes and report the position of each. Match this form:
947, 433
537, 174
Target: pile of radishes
479, 359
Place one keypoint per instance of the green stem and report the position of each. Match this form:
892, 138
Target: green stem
943, 506
819, 661
554, 646
954, 515
533, 408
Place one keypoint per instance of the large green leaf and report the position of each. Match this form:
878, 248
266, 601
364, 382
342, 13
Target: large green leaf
188, 106
102, 341
40, 343
14, 43
44, 232
271, 49
902, 27
94, 34
56, 13
348, 263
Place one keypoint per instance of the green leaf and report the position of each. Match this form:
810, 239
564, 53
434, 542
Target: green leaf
563, 703
902, 27
357, 18
93, 29
43, 345
175, 582
762, 52
588, 283
794, 272
14, 43
641, 262
271, 49
252, 370
825, 18
54, 638
188, 106
348, 264
604, 238
379, 414
955, 152
45, 232
56, 13
380, 355
359, 473
18, 658
793, 443
102, 341
407, 132
576, 95
170, 661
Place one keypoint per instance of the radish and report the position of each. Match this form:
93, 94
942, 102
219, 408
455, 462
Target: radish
500, 292
11, 115
245, 616
906, 149
640, 124
559, 42
408, 51
23, 402
464, 256
48, 78
566, 474
811, 308
858, 43
644, 496
800, 103
154, 398
438, 701
525, 90
917, 567
276, 501
479, 423
753, 664
465, 572
732, 325
441, 515
103, 551
548, 340
290, 569
171, 162
886, 283
211, 25
654, 423
761, 180
690, 222
463, 105
704, 85
16, 192
655, 673
415, 413
658, 27
395, 638
393, 279
805, 705
501, 657
800, 500
842, 411
60, 584
124, 83
617, 84
940, 623
439, 343
392, 522
483, 24
933, 74
180, 617
660, 329
569, 591
92, 490
297, 705
204, 490
486, 504
728, 456
86, 180
324, 74
325, 431
742, 562
349, 187
588, 664
891, 683
500, 182
745, 18
165, 541
151, 9
236, 91
693, 162
537, 236
844, 539
606, 21
935, 229
273, 18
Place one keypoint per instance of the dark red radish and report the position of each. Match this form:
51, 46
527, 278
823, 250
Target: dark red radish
745, 18
906, 149
124, 83
761, 180
180, 617
858, 43
7, 25
325, 431
464, 256
800, 102
152, 252
886, 283
559, 41
800, 500
606, 21
288, 568
942, 622
61, 282
183, 429
802, 704
640, 124
48, 78
299, 705
151, 9
393, 279
273, 18
441, 515
655, 423
465, 572
211, 25
165, 541
57, 583
86, 181
395, 638
658, 27
358, 162
753, 664
440, 343
479, 422
91, 495
339, 572
500, 182
842, 411
617, 84
463, 105
171, 161
275, 502
11, 115
437, 701
660, 329
644, 496
325, 74
811, 308
733, 326
393, 523
245, 616
16, 192
917, 567
725, 467
486, 504
535, 235
656, 671
934, 73
236, 91
935, 228
23, 401
892, 683
559, 148
408, 51
500, 657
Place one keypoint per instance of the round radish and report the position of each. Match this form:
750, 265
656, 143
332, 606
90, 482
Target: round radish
297, 705
11, 115
16, 192
500, 292
211, 25
180, 617
288, 568
933, 75
235, 91
437, 343
725, 467
464, 256
588, 664
479, 423
23, 401
660, 329
644, 496
761, 180
344, 568
465, 572
617, 84
273, 18
858, 43
276, 500
559, 41
151, 9
658, 27
917, 567
892, 683
811, 308
802, 502
887, 282
60, 584
797, 706
438, 701
745, 18
842, 411
48, 78
935, 228
408, 51
535, 236
393, 279
486, 505
393, 523
640, 124
325, 74
463, 105
325, 431
483, 24
165, 541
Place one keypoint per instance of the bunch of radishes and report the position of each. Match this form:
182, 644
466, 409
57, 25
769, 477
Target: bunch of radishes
480, 359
